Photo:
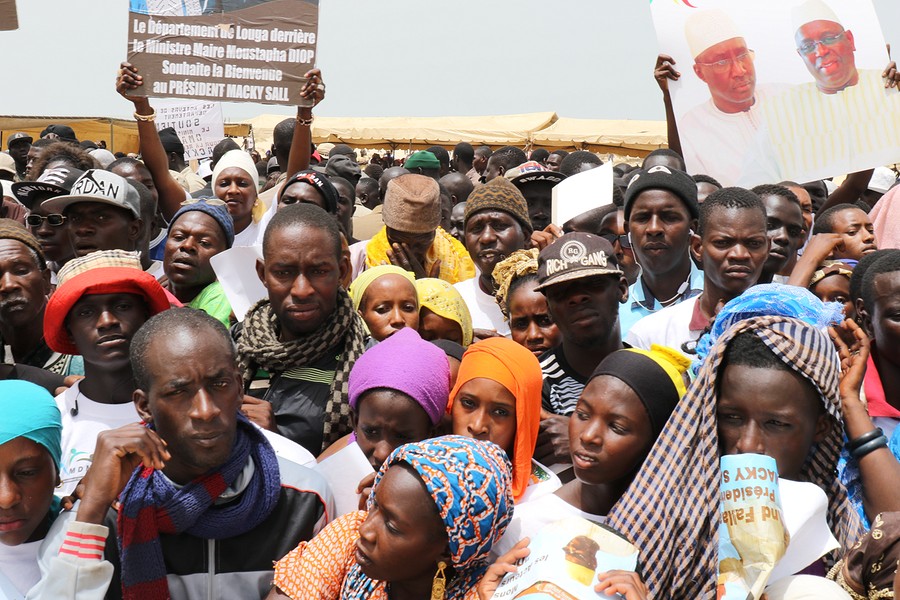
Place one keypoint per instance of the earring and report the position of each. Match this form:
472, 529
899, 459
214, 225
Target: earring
439, 585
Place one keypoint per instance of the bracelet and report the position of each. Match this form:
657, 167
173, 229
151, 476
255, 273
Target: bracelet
864, 438
879, 442
146, 118
305, 122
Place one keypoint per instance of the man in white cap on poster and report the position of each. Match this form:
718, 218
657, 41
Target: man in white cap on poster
715, 134
844, 120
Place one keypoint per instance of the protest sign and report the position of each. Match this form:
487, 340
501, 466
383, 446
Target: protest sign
752, 535
565, 559
199, 124
773, 90
232, 50
9, 18
343, 471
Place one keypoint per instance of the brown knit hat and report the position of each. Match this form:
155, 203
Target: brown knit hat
500, 194
13, 230
412, 204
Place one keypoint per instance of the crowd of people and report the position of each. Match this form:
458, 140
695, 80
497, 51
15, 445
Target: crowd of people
497, 371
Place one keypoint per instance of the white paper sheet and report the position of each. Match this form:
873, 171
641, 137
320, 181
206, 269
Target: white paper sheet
236, 270
343, 471
582, 192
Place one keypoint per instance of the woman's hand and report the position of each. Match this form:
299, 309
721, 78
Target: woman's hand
497, 571
627, 584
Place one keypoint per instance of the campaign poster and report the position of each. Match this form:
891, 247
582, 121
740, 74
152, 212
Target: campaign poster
199, 124
228, 50
9, 18
776, 90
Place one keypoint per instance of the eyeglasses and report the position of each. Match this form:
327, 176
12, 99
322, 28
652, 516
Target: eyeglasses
210, 201
721, 66
37, 220
612, 238
809, 46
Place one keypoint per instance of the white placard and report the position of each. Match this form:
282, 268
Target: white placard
343, 471
199, 124
236, 270
582, 192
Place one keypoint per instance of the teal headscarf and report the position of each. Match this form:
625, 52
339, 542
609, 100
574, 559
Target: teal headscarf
29, 411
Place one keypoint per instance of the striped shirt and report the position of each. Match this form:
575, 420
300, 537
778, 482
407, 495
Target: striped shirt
562, 385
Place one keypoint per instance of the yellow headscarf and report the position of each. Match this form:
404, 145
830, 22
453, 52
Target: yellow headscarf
366, 278
444, 300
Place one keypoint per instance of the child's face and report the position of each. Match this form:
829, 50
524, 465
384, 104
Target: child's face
772, 412
836, 288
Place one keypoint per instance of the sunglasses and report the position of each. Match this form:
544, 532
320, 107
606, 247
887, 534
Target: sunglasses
37, 220
209, 201
623, 240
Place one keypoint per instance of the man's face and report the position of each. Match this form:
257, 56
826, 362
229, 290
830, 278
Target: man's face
494, 169
885, 326
417, 243
732, 251
857, 231
480, 163
587, 310
660, 227
827, 51
818, 193
345, 207
95, 226
193, 239
193, 398
553, 162
446, 209
806, 206
138, 173
457, 222
33, 153
491, 236
612, 228
19, 152
727, 68
301, 192
704, 189
54, 239
102, 325
302, 273
539, 197
23, 286
784, 228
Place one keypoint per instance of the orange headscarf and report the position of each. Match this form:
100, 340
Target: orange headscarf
518, 370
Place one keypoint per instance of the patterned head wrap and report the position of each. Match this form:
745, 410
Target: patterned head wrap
767, 300
671, 509
471, 484
500, 194
518, 264
444, 300
829, 268
517, 369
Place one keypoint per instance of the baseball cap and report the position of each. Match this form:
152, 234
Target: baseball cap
533, 172
19, 136
170, 141
51, 183
7, 164
661, 177
341, 165
63, 132
100, 186
575, 256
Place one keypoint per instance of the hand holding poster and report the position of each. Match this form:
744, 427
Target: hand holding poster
564, 562
234, 50
774, 90
752, 535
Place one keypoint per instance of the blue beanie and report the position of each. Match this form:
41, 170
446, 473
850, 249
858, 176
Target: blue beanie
217, 211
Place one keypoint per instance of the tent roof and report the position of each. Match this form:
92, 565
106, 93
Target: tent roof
414, 132
120, 134
603, 136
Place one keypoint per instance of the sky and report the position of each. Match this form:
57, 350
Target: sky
580, 58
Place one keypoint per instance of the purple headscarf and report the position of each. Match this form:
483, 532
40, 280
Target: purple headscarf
406, 363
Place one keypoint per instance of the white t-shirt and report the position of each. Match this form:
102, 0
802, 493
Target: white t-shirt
80, 431
248, 236
19, 570
485, 311
667, 327
532, 516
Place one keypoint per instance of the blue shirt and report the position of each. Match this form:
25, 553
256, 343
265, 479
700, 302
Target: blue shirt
641, 302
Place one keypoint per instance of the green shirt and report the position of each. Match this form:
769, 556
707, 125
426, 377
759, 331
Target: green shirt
212, 301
